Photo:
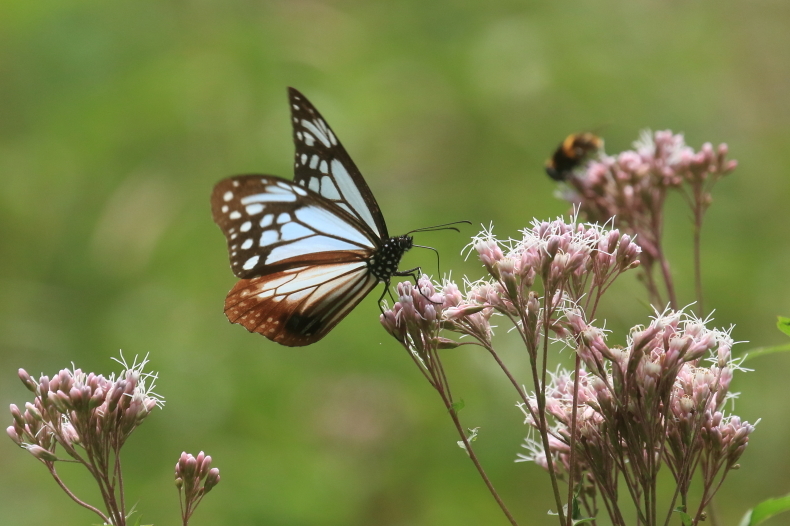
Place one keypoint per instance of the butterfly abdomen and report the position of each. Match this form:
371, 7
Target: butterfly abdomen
384, 262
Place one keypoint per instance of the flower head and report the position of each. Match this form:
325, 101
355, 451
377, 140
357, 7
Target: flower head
75, 408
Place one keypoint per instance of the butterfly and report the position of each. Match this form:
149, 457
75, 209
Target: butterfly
306, 251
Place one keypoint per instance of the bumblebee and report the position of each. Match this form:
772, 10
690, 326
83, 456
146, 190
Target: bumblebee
571, 153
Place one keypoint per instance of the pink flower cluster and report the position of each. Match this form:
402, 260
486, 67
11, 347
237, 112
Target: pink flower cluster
658, 399
196, 477
624, 411
89, 417
572, 261
82, 409
630, 189
632, 184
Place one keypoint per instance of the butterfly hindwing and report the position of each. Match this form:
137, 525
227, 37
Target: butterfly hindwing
272, 224
322, 165
299, 306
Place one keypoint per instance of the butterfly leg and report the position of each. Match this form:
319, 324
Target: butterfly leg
386, 291
413, 274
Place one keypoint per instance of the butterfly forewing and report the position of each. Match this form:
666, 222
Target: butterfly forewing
322, 165
271, 224
301, 305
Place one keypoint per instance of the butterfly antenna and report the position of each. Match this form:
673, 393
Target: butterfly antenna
435, 228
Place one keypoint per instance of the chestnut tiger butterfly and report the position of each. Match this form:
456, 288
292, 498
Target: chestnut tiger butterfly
306, 251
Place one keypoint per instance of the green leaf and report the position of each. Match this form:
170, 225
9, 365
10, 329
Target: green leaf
685, 517
457, 406
765, 510
783, 324
576, 512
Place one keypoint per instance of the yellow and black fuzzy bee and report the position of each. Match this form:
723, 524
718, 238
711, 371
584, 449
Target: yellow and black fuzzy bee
571, 153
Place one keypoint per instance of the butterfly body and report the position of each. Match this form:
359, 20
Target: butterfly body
384, 262
306, 251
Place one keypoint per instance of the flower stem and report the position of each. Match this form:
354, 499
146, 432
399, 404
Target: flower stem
540, 389
572, 459
698, 212
454, 415
51, 468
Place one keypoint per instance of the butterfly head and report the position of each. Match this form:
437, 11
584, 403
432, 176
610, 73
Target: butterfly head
384, 263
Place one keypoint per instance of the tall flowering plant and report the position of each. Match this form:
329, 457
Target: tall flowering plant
87, 418
624, 411
631, 188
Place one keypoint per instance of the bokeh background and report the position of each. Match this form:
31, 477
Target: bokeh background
116, 118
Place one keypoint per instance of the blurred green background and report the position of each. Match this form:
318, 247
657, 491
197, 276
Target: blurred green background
116, 119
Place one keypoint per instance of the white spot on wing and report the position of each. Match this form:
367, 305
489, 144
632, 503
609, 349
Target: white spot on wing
267, 220
314, 161
299, 190
245, 226
247, 243
324, 167
283, 218
292, 231
250, 263
318, 133
235, 215
269, 197
227, 196
268, 237
328, 188
255, 208
304, 158
309, 140
224, 209
315, 184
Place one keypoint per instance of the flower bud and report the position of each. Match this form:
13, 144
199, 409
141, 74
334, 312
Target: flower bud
41, 453
17, 415
506, 268
212, 479
642, 338
27, 380
205, 465
11, 430
75, 395
553, 246
446, 343
43, 386
189, 466
455, 313
97, 398
611, 241
34, 412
